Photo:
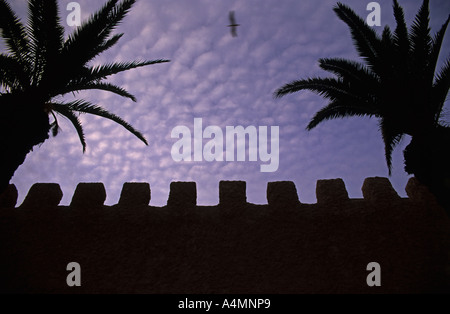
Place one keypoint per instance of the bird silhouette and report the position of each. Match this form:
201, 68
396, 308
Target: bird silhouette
233, 25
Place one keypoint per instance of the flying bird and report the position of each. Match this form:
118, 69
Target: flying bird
233, 25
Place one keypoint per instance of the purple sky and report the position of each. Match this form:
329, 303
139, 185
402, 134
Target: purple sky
225, 81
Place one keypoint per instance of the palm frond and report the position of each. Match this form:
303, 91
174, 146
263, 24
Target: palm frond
391, 138
96, 22
330, 88
14, 33
364, 36
401, 37
440, 89
106, 45
338, 109
390, 54
348, 70
54, 126
420, 37
100, 72
65, 111
436, 48
47, 37
394, 58
11, 73
94, 33
386, 37
99, 86
87, 107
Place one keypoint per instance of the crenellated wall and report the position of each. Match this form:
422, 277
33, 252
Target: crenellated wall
234, 247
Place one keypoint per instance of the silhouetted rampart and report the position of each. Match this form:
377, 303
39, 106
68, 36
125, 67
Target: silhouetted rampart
233, 247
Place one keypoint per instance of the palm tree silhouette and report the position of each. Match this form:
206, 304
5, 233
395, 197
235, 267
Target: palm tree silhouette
398, 84
41, 65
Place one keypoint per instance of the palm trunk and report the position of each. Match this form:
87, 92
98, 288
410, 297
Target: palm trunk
427, 157
22, 126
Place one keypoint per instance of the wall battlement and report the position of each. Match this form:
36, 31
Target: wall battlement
284, 246
283, 193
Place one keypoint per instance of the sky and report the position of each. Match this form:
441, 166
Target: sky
225, 81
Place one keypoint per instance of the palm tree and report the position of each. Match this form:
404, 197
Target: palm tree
41, 65
398, 83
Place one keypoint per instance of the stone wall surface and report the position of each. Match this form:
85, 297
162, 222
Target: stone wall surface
234, 247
